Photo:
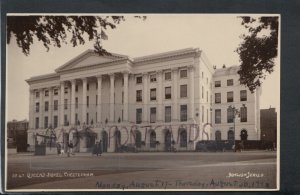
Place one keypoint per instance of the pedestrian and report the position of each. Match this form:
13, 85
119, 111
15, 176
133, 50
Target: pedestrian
95, 149
70, 151
58, 146
100, 148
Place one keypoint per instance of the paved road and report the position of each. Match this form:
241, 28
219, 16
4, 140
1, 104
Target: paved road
144, 171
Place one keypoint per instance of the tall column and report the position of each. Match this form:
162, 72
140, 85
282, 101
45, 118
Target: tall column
99, 106
73, 84
175, 94
159, 97
125, 117
50, 116
42, 109
191, 105
83, 115
111, 98
62, 97
145, 97
31, 109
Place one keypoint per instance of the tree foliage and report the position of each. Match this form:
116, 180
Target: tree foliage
54, 30
258, 50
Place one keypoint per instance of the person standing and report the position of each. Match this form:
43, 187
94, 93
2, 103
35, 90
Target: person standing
70, 151
100, 148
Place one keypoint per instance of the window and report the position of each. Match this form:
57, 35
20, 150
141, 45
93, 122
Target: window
37, 94
139, 96
139, 112
206, 96
76, 119
76, 102
37, 107
230, 135
243, 95
168, 76
66, 123
217, 83
230, 96
87, 86
217, 98
97, 84
46, 93
97, 99
152, 94
183, 139
168, 114
153, 78
183, 112
218, 116
152, 115
243, 114
218, 135
230, 82
87, 118
66, 90
152, 139
87, 101
230, 115
55, 91
139, 80
76, 88
183, 74
55, 105
202, 92
46, 106
66, 104
37, 121
183, 91
168, 93
122, 97
46, 122
55, 121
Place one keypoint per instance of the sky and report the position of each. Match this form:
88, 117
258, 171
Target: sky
216, 35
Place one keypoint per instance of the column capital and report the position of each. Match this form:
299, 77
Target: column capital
100, 76
159, 71
73, 81
126, 72
145, 74
84, 79
191, 67
111, 75
175, 69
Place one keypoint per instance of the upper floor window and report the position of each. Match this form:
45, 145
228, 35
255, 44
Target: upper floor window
230, 96
168, 93
37, 107
217, 83
76, 88
230, 115
139, 80
168, 76
55, 91
66, 89
46, 106
230, 82
183, 112
87, 101
153, 94
55, 105
217, 98
152, 115
218, 116
153, 78
87, 86
183, 74
46, 93
66, 104
243, 95
139, 96
76, 102
168, 114
183, 91
37, 94
243, 114
139, 113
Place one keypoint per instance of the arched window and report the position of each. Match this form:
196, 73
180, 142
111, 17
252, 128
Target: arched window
218, 135
104, 141
244, 134
230, 135
152, 139
118, 139
183, 138
168, 139
138, 139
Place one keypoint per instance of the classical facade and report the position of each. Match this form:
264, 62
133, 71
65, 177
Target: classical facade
236, 111
151, 103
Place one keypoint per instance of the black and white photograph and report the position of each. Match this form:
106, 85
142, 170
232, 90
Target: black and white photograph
151, 102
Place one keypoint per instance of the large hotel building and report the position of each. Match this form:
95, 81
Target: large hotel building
152, 103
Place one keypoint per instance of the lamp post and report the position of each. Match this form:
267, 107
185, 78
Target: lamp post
235, 112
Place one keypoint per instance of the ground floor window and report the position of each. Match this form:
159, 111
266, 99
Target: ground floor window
218, 135
152, 139
183, 138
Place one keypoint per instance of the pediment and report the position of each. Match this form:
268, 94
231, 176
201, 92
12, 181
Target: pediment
87, 59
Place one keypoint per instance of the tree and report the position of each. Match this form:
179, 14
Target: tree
258, 50
54, 30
